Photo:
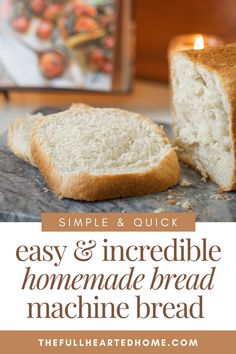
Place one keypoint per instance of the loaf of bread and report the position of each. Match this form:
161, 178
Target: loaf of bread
96, 154
20, 133
204, 107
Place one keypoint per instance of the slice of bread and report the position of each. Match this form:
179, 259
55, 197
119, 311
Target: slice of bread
100, 154
20, 133
19, 136
204, 107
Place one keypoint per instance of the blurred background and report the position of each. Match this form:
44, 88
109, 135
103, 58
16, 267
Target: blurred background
160, 20
157, 22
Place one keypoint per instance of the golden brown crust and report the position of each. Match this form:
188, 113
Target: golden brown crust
221, 61
90, 187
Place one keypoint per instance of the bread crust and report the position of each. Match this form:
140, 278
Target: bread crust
85, 186
221, 61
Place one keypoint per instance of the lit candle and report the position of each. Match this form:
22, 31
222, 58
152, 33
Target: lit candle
193, 41
199, 43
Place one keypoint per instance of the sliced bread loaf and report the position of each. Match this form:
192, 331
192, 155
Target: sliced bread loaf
100, 154
20, 133
204, 105
19, 137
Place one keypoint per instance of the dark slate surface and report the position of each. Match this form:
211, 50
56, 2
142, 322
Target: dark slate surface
24, 195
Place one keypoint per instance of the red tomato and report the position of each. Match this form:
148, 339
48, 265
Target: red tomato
21, 24
85, 24
109, 42
52, 64
38, 6
97, 57
52, 12
81, 8
44, 30
107, 67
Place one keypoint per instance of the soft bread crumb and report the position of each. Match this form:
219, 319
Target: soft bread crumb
160, 210
185, 183
186, 205
19, 136
20, 133
104, 141
46, 190
221, 197
177, 194
202, 108
204, 178
98, 154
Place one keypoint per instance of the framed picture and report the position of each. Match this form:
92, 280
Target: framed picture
69, 45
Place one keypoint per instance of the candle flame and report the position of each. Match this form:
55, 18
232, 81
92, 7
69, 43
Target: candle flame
199, 43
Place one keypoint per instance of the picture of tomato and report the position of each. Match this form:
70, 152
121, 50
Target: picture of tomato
97, 57
38, 6
85, 24
107, 67
52, 12
21, 24
81, 8
109, 42
52, 64
45, 29
72, 22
